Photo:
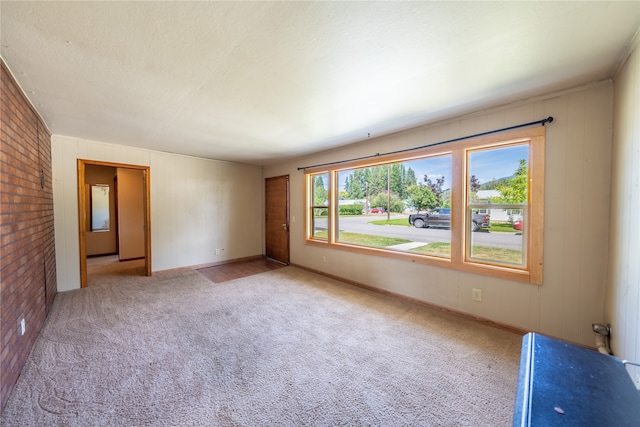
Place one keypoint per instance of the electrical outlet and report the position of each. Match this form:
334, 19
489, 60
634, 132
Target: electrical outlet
217, 251
476, 294
324, 259
23, 326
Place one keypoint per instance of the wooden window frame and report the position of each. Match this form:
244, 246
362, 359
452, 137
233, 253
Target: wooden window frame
310, 206
531, 272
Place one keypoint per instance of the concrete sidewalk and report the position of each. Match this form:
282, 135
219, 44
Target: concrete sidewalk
406, 246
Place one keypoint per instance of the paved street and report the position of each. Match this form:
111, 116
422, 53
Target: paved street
361, 224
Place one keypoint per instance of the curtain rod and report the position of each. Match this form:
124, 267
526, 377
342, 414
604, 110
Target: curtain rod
537, 122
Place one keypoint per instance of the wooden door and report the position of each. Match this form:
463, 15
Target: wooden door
277, 218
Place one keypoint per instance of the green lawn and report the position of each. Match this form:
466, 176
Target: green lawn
435, 248
509, 256
503, 227
364, 239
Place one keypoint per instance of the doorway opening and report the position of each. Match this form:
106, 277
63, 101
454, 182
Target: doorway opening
114, 219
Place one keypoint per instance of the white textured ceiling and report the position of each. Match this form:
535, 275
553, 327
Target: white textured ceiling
258, 81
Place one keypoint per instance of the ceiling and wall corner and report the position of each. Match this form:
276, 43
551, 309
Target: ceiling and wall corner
259, 82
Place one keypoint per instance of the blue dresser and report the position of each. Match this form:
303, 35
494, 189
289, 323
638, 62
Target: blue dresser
561, 384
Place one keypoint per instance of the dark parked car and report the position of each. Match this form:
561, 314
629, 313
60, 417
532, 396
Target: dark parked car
441, 217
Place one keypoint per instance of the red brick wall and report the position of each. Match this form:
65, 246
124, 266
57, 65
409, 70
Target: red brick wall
27, 252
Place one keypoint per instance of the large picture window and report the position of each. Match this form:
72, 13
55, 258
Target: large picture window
474, 205
386, 195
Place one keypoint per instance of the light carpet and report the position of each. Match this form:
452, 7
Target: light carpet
281, 348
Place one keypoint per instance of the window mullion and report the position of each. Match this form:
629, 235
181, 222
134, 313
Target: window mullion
458, 177
333, 207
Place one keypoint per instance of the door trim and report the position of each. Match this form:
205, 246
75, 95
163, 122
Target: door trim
83, 217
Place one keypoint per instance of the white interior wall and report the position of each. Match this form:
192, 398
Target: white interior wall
577, 177
197, 206
623, 287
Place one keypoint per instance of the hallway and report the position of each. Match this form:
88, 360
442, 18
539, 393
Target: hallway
111, 266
